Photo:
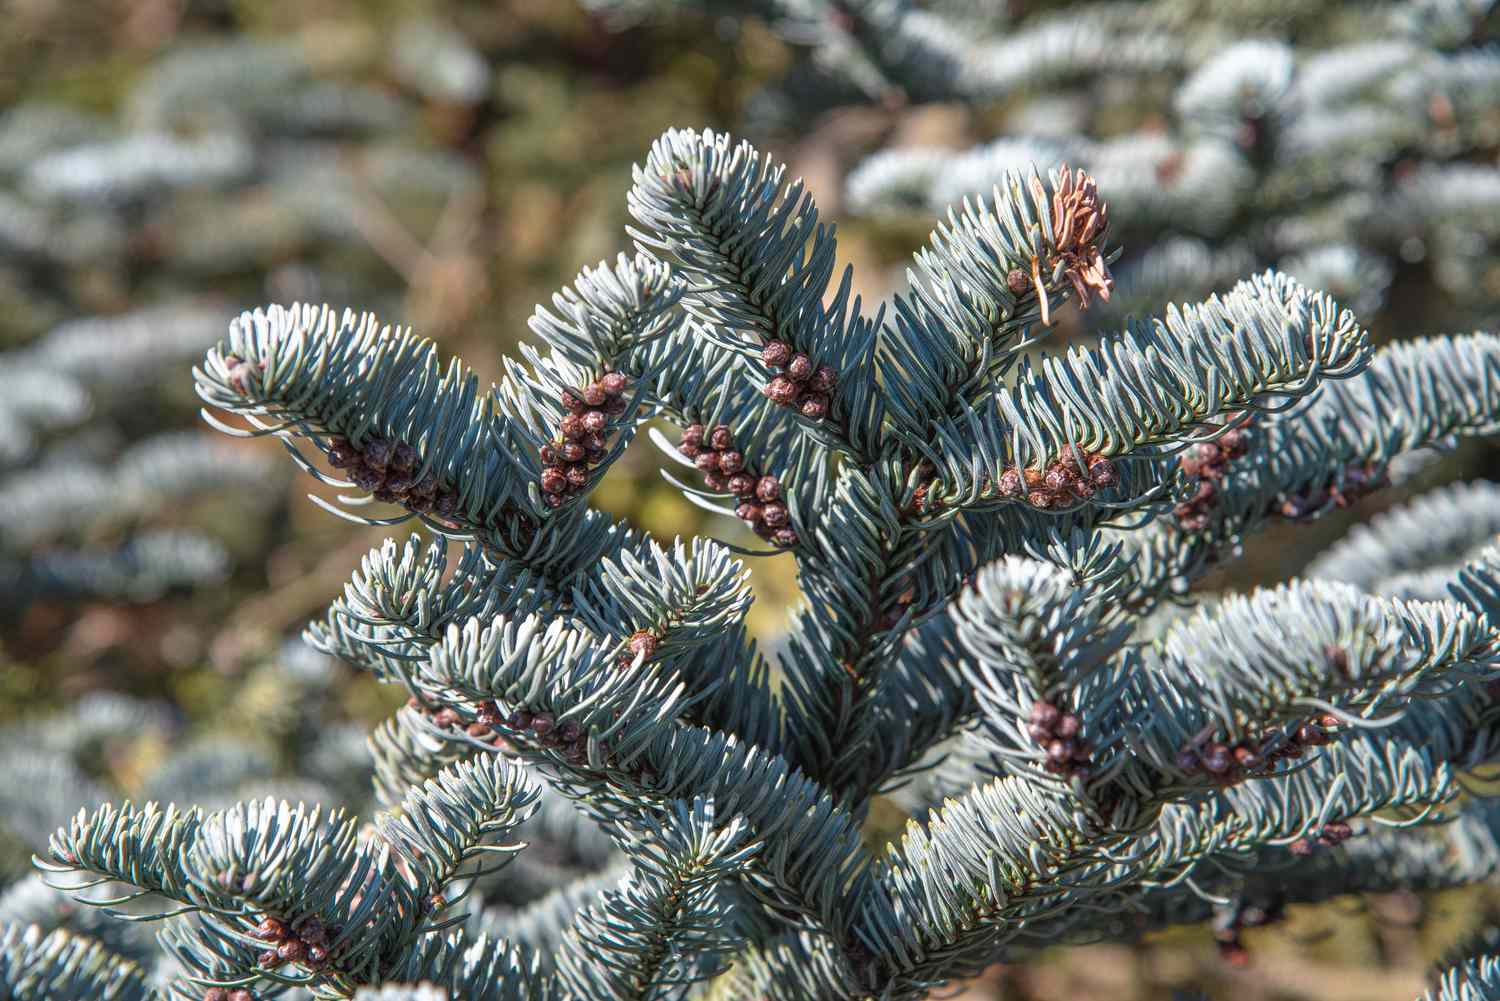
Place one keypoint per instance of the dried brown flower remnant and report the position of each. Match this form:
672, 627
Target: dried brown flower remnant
1079, 219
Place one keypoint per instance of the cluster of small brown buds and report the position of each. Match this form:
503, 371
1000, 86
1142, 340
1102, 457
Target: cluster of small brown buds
798, 381
307, 942
1228, 764
1071, 477
1057, 733
388, 470
724, 471
1359, 481
1204, 465
1229, 921
1333, 834
581, 442
545, 731
225, 994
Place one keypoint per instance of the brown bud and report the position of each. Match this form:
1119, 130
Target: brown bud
786, 537
748, 512
1102, 471
614, 406
317, 955
775, 514
1067, 726
477, 730
707, 462
742, 485
571, 427
377, 453
782, 391
578, 475
768, 488
554, 480
731, 462
721, 437
341, 454
291, 951
1216, 759
404, 458
1017, 281
270, 929
542, 724
571, 401
716, 481
553, 500
216, 994
268, 958
520, 720
572, 451
594, 421
800, 368
241, 994
445, 717
594, 395
692, 434
613, 383
824, 380
644, 644
1246, 757
814, 406
1058, 479
1060, 750
1011, 484
1044, 714
776, 353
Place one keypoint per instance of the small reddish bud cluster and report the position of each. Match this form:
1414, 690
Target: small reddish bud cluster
724, 471
1359, 481
1230, 920
581, 443
545, 731
225, 994
1334, 833
1057, 733
1227, 765
1205, 465
487, 719
1071, 477
305, 942
798, 383
387, 469
922, 500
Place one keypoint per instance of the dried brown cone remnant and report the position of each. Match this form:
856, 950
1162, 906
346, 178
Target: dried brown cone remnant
1079, 221
1074, 475
1059, 734
225, 994
798, 381
1228, 765
1358, 482
1203, 466
725, 470
300, 941
581, 443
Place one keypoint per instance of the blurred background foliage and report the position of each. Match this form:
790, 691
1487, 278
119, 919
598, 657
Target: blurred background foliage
448, 164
